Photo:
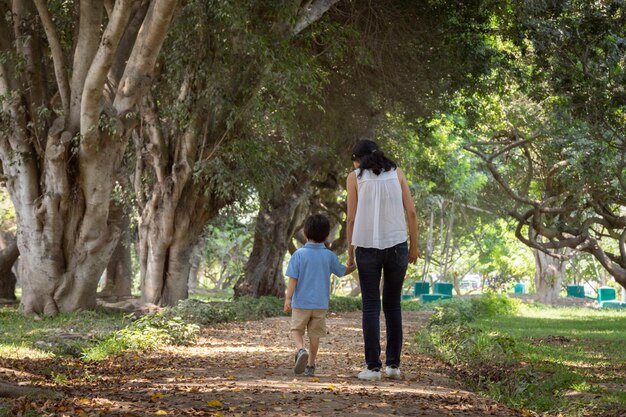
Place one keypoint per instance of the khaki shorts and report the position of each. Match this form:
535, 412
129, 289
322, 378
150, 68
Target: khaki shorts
314, 321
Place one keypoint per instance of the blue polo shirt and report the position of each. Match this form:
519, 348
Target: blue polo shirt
312, 265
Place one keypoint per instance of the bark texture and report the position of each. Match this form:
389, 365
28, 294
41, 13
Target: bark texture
275, 226
8, 256
119, 273
549, 275
60, 163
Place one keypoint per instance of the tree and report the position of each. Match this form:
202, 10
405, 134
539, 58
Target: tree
375, 65
8, 248
8, 255
62, 137
218, 59
548, 125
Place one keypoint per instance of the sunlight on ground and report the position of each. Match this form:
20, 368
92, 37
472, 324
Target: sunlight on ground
22, 352
569, 313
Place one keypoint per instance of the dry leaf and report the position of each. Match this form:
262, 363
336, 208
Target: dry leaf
214, 403
161, 413
156, 397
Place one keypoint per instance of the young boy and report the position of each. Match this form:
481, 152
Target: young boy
308, 290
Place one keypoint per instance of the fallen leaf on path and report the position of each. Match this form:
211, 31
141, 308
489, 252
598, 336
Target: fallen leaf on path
214, 403
156, 397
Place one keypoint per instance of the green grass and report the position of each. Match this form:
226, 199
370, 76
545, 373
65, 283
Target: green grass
96, 335
559, 361
64, 334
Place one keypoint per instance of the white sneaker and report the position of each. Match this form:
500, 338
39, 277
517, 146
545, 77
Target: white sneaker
392, 373
369, 375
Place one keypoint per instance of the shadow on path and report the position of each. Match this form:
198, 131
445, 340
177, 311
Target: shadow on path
244, 369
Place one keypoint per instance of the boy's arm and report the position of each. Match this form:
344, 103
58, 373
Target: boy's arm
350, 269
291, 287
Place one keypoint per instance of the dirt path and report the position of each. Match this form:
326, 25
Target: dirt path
242, 369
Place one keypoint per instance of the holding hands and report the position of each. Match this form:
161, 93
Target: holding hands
414, 253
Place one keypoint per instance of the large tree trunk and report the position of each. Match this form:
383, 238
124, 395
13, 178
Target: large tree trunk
195, 261
169, 231
549, 275
8, 256
118, 277
275, 226
61, 165
177, 209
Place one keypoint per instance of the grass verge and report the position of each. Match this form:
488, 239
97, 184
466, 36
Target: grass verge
96, 336
557, 361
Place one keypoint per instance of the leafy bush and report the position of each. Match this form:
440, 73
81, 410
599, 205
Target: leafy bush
147, 333
462, 344
416, 305
451, 337
469, 309
344, 304
241, 309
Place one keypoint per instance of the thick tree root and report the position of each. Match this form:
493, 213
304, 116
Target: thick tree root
132, 305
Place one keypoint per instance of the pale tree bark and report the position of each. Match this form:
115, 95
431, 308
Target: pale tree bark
356, 285
549, 275
276, 224
174, 211
169, 230
118, 277
195, 261
60, 165
176, 207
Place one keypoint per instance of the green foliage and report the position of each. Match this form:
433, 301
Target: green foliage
548, 360
462, 311
451, 336
461, 344
146, 333
417, 305
344, 304
246, 308
241, 309
7, 212
64, 334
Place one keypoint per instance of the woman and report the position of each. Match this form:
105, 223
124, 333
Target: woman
378, 198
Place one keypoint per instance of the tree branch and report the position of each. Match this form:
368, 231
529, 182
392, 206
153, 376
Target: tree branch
86, 48
125, 46
313, 11
498, 177
157, 146
57, 55
145, 52
96, 77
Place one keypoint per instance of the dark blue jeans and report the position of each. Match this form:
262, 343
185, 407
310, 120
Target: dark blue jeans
391, 264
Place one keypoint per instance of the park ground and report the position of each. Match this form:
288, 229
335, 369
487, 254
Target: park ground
240, 369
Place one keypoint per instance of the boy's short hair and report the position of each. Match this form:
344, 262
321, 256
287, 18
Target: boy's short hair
317, 228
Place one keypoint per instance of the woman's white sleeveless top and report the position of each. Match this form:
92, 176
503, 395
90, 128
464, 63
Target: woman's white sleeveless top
379, 221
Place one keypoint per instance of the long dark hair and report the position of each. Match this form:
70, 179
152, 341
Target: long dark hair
371, 157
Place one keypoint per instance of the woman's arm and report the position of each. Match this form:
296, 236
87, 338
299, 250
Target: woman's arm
353, 197
411, 214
